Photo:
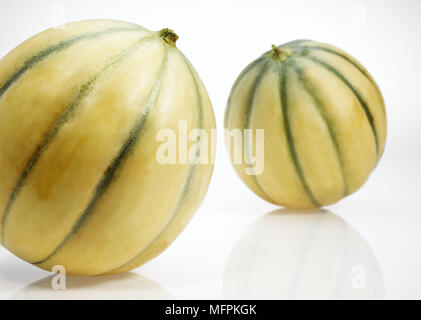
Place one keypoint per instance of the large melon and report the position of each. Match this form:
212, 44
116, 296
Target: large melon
80, 110
324, 123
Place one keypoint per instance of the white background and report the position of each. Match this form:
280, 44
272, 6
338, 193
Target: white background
224, 241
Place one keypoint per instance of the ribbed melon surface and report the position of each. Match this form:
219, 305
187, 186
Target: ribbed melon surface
80, 109
324, 123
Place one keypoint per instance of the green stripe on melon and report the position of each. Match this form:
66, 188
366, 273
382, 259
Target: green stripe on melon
283, 76
69, 111
139, 258
34, 60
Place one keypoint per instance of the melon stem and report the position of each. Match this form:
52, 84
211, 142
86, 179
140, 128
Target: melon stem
168, 36
279, 54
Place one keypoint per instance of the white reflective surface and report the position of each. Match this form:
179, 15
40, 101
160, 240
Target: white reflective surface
305, 255
126, 286
274, 255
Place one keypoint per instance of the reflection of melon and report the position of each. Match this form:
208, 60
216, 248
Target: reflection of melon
80, 110
302, 256
125, 286
323, 118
